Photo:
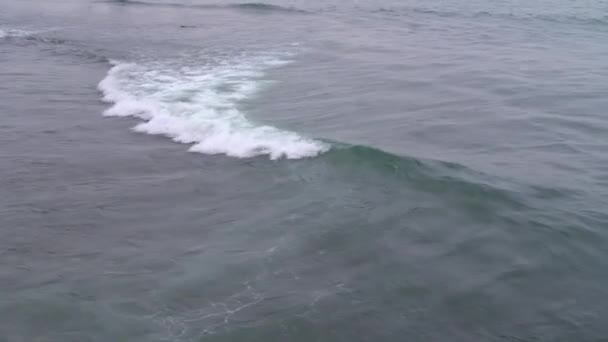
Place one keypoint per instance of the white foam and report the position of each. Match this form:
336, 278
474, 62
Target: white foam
19, 33
198, 106
10, 33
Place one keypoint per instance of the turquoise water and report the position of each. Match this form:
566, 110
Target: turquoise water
303, 171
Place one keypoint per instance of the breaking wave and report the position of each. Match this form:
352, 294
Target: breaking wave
199, 106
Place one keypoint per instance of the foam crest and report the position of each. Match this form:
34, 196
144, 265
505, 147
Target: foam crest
14, 33
198, 106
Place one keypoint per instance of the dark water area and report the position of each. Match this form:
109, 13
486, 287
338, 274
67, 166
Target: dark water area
303, 170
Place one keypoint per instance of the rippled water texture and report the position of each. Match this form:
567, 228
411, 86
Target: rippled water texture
288, 170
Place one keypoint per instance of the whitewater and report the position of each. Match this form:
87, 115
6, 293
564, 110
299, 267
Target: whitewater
199, 105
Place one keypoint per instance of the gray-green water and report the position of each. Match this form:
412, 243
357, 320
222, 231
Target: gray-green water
339, 170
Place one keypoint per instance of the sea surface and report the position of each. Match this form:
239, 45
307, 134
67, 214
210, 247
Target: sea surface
290, 170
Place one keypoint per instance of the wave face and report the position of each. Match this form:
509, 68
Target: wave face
263, 7
199, 106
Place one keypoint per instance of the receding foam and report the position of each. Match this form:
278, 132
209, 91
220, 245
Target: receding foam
198, 106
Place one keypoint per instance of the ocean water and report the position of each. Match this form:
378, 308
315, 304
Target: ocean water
289, 170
